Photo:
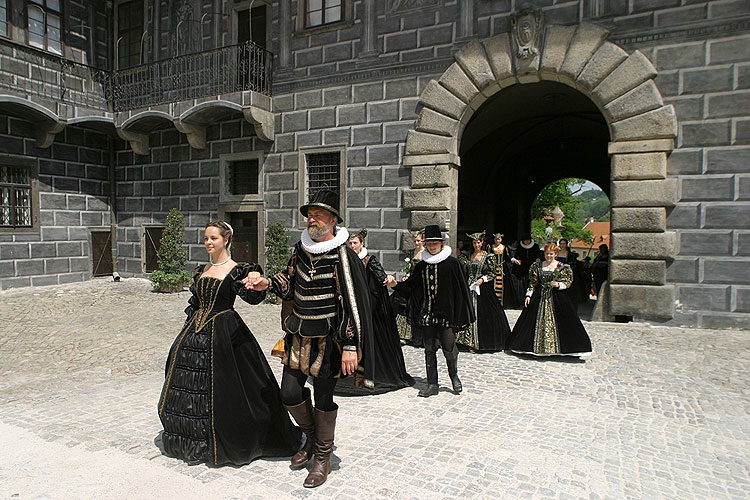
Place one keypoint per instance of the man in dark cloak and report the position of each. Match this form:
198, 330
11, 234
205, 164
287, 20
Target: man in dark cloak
439, 305
329, 327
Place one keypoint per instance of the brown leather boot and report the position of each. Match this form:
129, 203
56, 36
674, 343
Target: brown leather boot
325, 423
303, 415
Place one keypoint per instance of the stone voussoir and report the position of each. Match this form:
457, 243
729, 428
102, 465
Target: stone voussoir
500, 57
473, 60
556, 45
642, 301
428, 176
658, 123
442, 100
633, 71
639, 166
638, 272
640, 219
586, 40
433, 122
428, 198
456, 80
644, 246
606, 58
650, 193
642, 99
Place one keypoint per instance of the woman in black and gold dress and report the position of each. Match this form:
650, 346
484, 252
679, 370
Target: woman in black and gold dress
400, 301
491, 330
220, 403
389, 371
549, 324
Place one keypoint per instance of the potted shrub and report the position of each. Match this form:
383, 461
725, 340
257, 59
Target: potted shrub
170, 275
277, 252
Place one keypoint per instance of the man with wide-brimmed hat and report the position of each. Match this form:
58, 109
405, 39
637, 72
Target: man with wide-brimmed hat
329, 329
439, 305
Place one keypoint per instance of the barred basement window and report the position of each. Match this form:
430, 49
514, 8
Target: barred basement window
15, 197
321, 12
43, 24
323, 172
244, 177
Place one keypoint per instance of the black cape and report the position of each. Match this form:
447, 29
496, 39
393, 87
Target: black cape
452, 305
389, 370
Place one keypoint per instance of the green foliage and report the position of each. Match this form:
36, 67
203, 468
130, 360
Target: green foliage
172, 255
561, 194
594, 204
277, 251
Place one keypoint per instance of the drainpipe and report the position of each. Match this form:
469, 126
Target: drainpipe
112, 201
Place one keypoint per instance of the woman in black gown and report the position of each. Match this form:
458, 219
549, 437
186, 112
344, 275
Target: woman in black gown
491, 330
400, 301
549, 324
220, 403
389, 369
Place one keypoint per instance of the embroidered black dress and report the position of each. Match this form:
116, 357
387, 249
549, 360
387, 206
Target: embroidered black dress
389, 370
400, 304
220, 402
549, 325
491, 330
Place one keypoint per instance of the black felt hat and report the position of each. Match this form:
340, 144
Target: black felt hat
326, 199
432, 233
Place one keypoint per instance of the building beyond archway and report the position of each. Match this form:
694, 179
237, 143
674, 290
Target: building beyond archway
641, 135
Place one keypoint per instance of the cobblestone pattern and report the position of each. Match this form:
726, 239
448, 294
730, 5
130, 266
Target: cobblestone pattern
657, 413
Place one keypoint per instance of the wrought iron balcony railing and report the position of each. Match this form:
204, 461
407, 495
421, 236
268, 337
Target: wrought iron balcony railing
235, 68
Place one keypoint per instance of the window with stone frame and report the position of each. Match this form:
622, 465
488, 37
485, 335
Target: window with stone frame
323, 172
244, 177
3, 17
15, 197
322, 12
43, 24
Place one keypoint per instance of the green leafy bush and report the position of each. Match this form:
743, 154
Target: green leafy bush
170, 275
277, 252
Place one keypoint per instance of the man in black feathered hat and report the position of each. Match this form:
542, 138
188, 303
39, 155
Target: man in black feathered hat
328, 327
439, 305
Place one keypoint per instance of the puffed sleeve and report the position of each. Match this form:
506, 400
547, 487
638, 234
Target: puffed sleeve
488, 268
193, 303
237, 275
376, 268
564, 276
533, 279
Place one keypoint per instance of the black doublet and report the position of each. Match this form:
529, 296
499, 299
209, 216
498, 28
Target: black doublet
315, 298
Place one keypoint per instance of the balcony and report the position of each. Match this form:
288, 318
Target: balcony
51, 80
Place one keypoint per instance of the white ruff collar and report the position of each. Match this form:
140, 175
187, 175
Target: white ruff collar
439, 257
319, 247
362, 253
526, 247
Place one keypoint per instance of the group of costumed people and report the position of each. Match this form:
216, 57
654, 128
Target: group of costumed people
221, 403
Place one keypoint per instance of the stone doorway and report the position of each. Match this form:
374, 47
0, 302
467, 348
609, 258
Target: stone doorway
641, 131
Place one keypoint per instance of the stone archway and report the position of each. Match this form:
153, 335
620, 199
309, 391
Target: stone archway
642, 131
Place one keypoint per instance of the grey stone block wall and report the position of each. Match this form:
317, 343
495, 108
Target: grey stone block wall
73, 191
175, 175
703, 80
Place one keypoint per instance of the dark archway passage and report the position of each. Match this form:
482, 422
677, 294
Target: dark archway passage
520, 140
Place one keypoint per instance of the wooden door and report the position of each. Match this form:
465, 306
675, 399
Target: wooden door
151, 245
101, 252
245, 239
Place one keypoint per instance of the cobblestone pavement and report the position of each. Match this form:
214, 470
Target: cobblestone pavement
657, 413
